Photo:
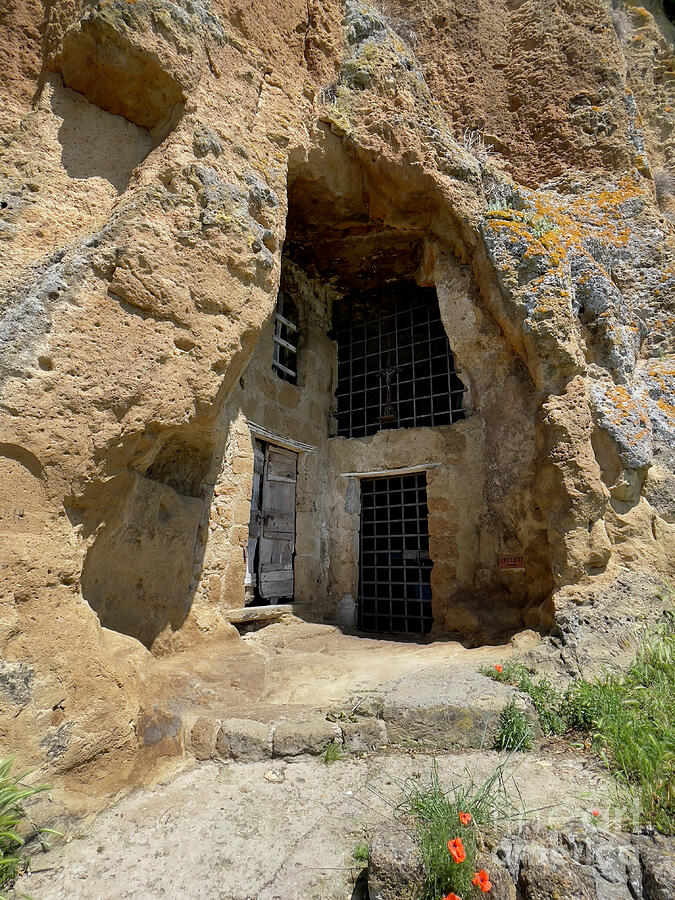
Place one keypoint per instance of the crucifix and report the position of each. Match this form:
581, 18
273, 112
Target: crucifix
389, 414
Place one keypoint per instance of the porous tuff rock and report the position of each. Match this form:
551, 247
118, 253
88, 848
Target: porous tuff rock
395, 865
584, 861
538, 863
144, 160
446, 709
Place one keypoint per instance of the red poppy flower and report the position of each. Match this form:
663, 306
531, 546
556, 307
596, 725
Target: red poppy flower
482, 881
451, 896
464, 818
595, 812
499, 668
456, 850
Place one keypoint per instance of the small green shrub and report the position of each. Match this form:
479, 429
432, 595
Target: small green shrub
13, 819
332, 753
515, 729
361, 853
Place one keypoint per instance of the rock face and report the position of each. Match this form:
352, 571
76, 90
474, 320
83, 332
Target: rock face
538, 863
164, 166
395, 865
582, 861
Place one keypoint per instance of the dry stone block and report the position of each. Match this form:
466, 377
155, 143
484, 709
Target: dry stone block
395, 865
548, 875
244, 740
448, 708
203, 737
367, 705
366, 734
294, 738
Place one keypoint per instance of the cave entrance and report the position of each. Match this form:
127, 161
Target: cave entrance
365, 372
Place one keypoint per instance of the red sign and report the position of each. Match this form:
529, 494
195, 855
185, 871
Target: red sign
512, 563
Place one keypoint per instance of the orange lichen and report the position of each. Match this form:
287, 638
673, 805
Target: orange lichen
572, 220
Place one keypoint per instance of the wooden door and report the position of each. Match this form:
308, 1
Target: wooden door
254, 522
277, 523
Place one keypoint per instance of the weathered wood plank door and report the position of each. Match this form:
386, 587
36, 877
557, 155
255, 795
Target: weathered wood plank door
256, 514
277, 523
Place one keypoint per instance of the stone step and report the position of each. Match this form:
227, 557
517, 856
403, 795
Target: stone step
248, 740
250, 614
438, 708
448, 709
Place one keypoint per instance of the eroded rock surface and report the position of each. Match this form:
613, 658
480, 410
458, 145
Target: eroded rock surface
269, 829
150, 153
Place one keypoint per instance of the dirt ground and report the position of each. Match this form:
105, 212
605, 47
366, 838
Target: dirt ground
280, 830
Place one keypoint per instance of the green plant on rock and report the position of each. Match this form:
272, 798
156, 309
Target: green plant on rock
627, 715
332, 753
498, 205
515, 729
546, 699
361, 853
449, 824
630, 719
540, 225
13, 820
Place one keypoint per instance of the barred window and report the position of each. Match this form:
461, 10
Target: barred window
396, 370
285, 361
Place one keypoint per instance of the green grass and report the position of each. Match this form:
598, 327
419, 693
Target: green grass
629, 717
546, 699
515, 730
332, 753
435, 813
13, 820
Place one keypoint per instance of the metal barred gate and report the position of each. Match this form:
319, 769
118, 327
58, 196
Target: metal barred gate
394, 564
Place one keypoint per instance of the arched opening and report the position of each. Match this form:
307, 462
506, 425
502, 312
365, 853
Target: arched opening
409, 420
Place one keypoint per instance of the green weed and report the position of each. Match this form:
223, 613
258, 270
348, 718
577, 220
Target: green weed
628, 716
361, 853
436, 814
332, 753
546, 699
13, 819
515, 730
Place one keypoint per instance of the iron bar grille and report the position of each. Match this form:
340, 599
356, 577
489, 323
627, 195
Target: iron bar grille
285, 358
425, 389
394, 564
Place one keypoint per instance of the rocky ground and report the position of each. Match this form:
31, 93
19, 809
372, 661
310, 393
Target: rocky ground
282, 829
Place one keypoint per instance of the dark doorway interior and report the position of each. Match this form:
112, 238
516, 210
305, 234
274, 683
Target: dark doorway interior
394, 568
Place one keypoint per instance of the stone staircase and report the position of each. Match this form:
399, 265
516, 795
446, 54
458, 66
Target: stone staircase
437, 708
